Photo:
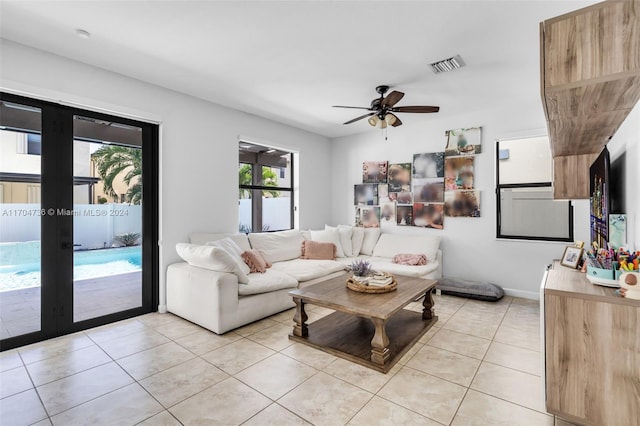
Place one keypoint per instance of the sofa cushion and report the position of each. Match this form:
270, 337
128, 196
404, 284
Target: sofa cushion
204, 237
371, 236
228, 245
384, 264
278, 246
318, 250
255, 261
481, 290
390, 244
329, 236
357, 238
305, 270
267, 282
212, 258
345, 233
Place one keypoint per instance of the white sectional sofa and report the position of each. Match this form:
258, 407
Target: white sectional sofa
219, 301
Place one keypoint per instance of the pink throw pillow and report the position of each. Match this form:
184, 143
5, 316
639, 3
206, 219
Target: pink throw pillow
255, 261
318, 251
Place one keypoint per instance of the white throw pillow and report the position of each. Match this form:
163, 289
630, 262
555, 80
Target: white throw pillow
212, 258
329, 236
306, 235
356, 240
390, 244
370, 239
345, 232
228, 245
278, 246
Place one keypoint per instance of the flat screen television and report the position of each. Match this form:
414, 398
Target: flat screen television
600, 181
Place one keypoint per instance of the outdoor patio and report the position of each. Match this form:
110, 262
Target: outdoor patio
20, 309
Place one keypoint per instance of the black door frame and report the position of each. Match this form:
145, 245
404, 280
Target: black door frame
57, 230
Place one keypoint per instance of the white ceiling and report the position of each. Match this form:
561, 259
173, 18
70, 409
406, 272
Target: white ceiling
291, 60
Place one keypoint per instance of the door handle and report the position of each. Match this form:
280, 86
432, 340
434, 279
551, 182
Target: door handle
66, 246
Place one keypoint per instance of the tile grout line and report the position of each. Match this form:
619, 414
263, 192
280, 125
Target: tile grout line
466, 392
280, 351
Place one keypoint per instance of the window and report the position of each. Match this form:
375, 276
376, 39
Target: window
34, 144
28, 143
266, 188
526, 208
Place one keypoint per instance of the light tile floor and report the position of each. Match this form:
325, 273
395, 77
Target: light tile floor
479, 365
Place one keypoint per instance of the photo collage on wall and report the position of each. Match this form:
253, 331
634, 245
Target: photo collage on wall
460, 197
424, 191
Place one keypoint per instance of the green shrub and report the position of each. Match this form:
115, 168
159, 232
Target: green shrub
128, 238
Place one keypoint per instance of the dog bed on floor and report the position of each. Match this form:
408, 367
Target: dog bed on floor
480, 290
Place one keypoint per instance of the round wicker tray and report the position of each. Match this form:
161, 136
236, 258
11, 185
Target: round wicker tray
361, 288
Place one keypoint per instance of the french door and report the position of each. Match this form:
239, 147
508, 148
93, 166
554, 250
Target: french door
78, 219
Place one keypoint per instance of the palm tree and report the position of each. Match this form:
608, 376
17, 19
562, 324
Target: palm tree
111, 161
269, 178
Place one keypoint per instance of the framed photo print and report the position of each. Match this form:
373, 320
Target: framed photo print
399, 176
404, 215
365, 194
462, 203
368, 216
428, 215
464, 141
374, 172
428, 165
571, 257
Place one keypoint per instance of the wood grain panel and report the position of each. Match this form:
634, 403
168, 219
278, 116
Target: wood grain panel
597, 41
571, 176
617, 94
563, 281
590, 63
349, 336
592, 360
334, 294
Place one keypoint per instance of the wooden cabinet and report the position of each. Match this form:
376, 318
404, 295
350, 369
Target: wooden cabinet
571, 176
590, 73
592, 351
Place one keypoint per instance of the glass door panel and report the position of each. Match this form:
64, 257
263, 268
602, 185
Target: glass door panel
107, 218
20, 217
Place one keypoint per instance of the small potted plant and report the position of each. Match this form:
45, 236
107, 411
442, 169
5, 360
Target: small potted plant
360, 268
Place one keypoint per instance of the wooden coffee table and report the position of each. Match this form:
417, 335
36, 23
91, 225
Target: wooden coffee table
370, 329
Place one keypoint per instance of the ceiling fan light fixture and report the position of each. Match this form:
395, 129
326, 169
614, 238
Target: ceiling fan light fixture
383, 124
373, 121
390, 119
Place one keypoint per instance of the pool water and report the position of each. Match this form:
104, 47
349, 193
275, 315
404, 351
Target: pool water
20, 264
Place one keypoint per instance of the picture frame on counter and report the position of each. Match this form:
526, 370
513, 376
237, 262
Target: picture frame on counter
571, 256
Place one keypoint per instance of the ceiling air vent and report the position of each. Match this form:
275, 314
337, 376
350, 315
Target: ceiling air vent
445, 65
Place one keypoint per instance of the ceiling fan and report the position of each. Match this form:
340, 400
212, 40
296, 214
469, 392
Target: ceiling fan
382, 109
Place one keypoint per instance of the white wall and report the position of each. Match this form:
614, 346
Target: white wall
199, 143
470, 247
10, 160
627, 139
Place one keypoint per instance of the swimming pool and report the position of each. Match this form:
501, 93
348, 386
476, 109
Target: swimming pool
20, 263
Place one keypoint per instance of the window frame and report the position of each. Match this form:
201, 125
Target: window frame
256, 178
499, 187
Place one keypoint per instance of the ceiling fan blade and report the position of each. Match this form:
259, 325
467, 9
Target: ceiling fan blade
359, 118
396, 123
342, 106
416, 109
392, 98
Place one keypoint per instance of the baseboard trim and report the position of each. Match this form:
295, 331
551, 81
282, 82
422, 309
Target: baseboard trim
521, 293
162, 309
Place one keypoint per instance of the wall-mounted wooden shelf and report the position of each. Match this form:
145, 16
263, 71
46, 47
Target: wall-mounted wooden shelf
590, 69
